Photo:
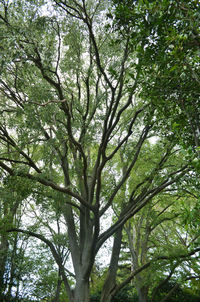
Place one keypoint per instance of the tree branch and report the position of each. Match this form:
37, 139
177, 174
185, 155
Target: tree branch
47, 183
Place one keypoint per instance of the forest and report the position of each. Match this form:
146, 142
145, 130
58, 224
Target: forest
99, 150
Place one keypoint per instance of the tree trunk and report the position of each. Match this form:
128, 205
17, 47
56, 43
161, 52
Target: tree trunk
81, 291
142, 294
110, 281
166, 298
3, 257
59, 283
12, 266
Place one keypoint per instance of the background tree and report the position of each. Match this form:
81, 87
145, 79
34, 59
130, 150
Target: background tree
159, 242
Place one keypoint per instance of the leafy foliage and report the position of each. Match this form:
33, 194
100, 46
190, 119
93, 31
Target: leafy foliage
98, 132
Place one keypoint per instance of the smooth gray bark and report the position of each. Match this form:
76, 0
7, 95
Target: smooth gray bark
81, 292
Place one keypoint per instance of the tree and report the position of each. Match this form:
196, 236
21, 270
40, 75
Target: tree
158, 236
159, 243
12, 195
73, 127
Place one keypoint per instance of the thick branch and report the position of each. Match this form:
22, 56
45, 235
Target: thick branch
136, 206
129, 169
47, 183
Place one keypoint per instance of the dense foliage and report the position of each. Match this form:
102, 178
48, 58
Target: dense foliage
99, 150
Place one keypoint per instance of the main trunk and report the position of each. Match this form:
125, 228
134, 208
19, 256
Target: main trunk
81, 291
82, 252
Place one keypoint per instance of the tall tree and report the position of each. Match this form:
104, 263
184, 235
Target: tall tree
73, 126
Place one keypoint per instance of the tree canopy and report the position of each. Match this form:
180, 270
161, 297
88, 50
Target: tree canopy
99, 141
